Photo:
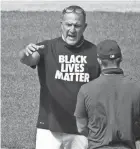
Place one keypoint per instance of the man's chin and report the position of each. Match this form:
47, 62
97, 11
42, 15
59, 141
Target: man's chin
71, 43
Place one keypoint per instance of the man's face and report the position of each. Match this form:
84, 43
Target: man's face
73, 27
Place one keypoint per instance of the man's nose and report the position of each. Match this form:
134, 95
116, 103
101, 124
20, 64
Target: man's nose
72, 29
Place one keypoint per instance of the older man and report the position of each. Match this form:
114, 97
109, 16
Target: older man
64, 64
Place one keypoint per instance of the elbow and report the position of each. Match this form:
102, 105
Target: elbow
80, 130
21, 56
30, 60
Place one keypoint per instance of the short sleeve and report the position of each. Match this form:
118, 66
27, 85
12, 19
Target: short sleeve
80, 110
94, 71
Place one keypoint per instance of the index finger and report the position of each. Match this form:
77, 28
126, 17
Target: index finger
41, 46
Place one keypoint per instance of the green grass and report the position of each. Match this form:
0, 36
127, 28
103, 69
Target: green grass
20, 86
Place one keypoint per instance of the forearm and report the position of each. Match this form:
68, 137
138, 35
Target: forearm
83, 131
22, 56
82, 125
30, 60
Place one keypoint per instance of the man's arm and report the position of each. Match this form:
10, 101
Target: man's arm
82, 125
30, 56
81, 114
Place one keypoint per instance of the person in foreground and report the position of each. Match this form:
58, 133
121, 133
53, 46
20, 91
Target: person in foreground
64, 64
108, 107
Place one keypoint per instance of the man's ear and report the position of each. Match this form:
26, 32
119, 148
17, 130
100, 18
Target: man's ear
61, 24
85, 26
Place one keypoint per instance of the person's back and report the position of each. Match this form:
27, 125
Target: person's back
110, 104
113, 111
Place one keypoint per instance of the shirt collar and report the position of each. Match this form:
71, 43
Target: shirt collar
78, 45
112, 71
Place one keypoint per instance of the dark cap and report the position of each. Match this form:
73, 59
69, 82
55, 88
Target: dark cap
108, 49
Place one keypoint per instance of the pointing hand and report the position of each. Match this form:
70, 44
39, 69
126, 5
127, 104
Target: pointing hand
32, 48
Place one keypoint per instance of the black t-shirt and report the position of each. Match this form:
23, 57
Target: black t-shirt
62, 70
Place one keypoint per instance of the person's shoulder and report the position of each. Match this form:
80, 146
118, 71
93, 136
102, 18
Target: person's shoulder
129, 82
43, 42
55, 40
90, 44
47, 41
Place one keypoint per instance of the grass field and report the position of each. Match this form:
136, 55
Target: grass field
20, 87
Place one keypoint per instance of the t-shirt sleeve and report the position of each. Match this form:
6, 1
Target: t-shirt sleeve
41, 52
95, 71
80, 110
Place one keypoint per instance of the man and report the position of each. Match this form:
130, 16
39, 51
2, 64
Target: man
64, 64
108, 107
